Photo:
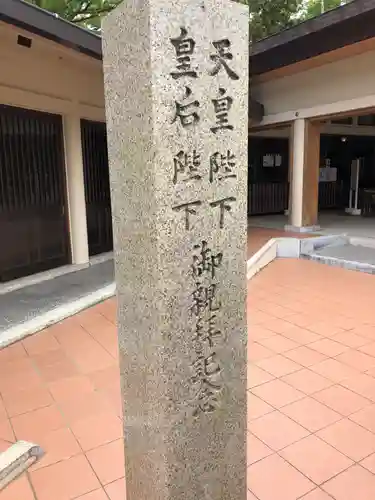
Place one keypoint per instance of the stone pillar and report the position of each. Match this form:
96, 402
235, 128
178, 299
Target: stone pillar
76, 190
176, 79
304, 176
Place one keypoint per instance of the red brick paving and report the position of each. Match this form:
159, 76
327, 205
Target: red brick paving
312, 435
311, 430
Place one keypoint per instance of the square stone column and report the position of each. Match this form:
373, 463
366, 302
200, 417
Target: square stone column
76, 189
304, 176
176, 78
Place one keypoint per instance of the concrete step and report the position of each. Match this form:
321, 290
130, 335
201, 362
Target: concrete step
29, 309
347, 255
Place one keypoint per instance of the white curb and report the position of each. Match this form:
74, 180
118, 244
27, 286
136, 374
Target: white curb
275, 247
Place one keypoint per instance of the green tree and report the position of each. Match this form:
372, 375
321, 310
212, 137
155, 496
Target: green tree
314, 8
268, 17
85, 12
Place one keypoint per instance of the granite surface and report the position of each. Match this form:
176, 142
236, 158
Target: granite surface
177, 117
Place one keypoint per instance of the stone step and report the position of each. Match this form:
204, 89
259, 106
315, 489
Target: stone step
348, 255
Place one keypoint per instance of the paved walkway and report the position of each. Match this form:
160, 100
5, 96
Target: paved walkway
60, 388
311, 413
311, 388
331, 222
29, 302
61, 293
349, 252
312, 385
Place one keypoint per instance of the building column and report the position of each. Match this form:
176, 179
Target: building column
76, 190
304, 176
288, 211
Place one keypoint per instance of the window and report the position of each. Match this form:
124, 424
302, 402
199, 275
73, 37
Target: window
271, 160
367, 120
348, 120
268, 160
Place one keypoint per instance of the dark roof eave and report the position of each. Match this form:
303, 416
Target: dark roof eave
337, 28
43, 23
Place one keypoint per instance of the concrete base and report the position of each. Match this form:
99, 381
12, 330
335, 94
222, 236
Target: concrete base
262, 258
311, 245
16, 460
355, 254
341, 261
274, 248
28, 310
353, 211
35, 279
54, 315
330, 223
303, 229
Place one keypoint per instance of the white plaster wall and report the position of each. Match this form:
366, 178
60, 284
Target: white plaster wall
342, 80
49, 77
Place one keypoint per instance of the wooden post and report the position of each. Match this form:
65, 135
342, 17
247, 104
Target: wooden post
304, 175
310, 196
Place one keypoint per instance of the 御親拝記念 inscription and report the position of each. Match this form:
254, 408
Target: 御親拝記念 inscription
176, 79
206, 306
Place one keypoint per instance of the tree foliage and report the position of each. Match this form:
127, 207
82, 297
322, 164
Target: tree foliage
266, 16
85, 12
314, 8
271, 16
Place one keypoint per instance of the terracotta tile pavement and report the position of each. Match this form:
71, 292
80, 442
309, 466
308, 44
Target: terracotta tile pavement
311, 393
321, 431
